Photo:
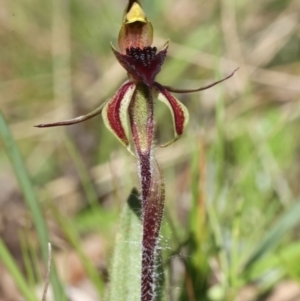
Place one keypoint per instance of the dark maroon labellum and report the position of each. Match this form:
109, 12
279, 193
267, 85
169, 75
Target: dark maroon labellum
142, 64
144, 56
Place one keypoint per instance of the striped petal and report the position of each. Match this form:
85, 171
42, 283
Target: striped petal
115, 112
180, 114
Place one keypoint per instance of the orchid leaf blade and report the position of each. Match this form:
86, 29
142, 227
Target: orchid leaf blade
126, 261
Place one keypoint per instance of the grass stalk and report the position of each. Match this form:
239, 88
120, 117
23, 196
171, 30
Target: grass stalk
31, 200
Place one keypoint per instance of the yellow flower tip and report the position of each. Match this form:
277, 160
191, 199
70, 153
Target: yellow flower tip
136, 30
135, 14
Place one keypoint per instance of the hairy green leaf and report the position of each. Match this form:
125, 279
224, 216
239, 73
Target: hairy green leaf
125, 277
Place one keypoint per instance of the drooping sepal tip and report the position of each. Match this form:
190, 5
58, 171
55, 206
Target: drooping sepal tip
79, 119
176, 90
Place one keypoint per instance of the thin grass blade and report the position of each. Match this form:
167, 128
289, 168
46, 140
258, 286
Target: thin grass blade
274, 236
30, 199
11, 266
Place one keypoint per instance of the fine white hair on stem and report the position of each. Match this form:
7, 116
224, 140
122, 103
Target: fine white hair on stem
48, 272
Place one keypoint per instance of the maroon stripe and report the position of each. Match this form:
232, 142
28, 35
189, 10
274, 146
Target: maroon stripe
179, 116
113, 112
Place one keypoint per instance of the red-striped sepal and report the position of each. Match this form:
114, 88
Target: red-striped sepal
180, 114
115, 112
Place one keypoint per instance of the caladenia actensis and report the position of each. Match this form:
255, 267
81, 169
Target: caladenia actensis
130, 114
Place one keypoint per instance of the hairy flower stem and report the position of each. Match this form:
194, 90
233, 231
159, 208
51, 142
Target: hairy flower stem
152, 187
153, 208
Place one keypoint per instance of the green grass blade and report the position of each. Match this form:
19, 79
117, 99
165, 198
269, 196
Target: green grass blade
126, 262
70, 232
11, 266
85, 179
272, 238
30, 199
28, 263
283, 260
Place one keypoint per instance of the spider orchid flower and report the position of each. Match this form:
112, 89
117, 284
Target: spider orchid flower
129, 116
142, 63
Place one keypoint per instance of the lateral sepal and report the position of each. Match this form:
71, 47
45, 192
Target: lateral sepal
180, 114
115, 112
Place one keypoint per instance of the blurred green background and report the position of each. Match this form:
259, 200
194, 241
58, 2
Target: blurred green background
231, 227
